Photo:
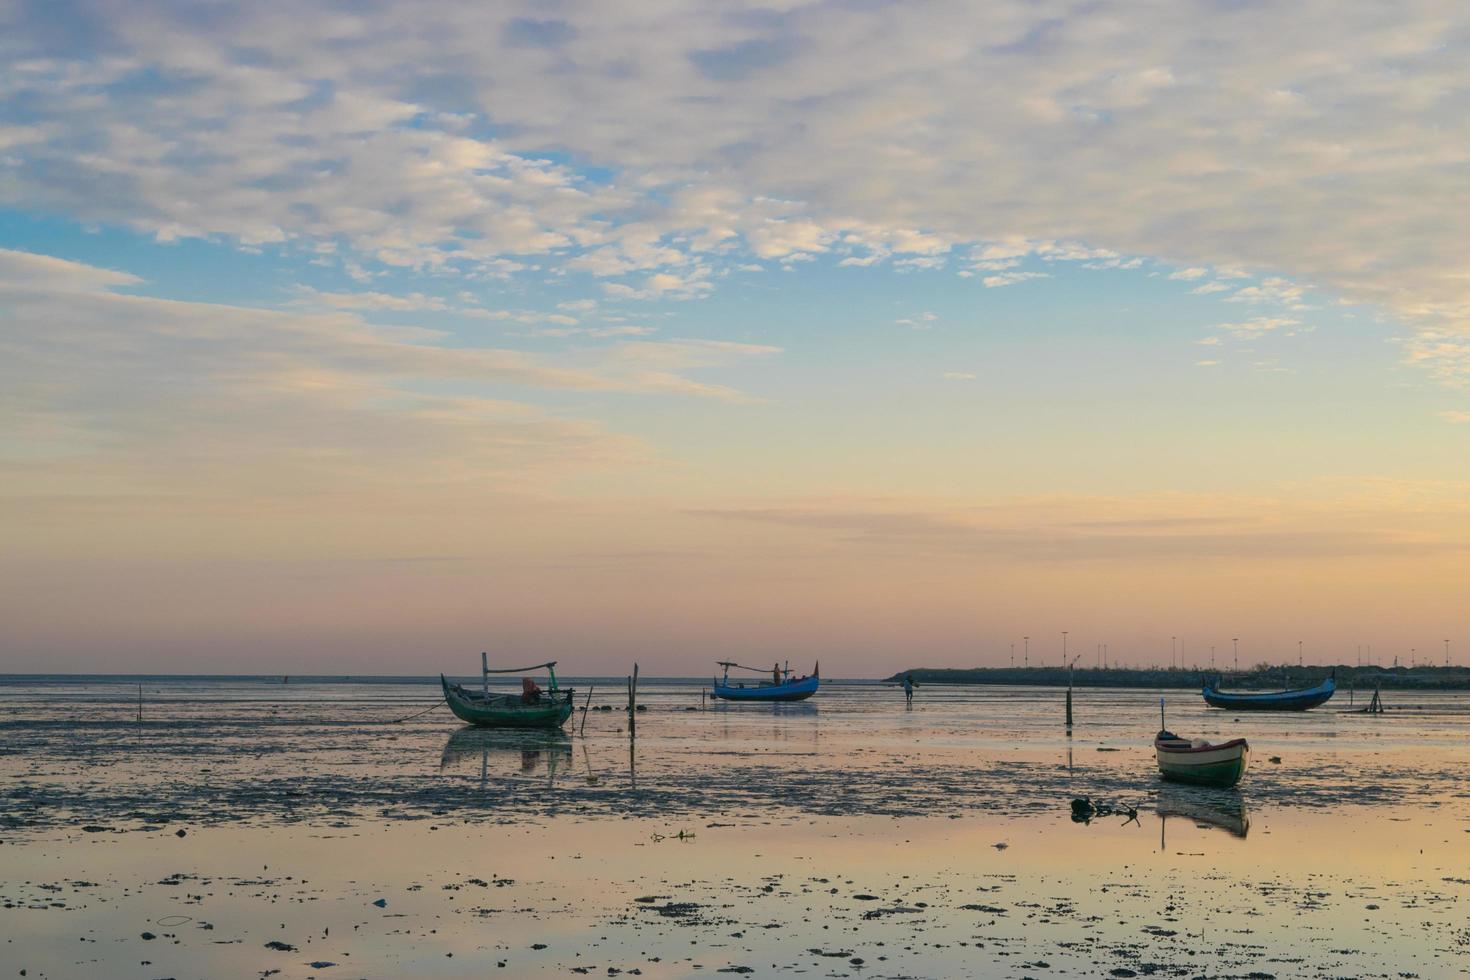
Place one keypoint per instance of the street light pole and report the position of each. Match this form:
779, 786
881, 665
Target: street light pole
1173, 653
1027, 640
1064, 648
1235, 641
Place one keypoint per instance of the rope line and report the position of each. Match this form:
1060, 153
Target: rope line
399, 721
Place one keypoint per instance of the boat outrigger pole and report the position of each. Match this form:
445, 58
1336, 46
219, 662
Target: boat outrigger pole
486, 670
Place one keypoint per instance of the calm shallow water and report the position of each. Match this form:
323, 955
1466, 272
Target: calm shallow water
844, 825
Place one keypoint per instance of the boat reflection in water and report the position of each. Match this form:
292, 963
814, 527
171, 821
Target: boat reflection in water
529, 751
1210, 808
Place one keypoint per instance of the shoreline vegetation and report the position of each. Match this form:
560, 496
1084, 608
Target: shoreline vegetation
1261, 677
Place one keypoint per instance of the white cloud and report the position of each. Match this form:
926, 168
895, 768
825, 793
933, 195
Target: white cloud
958, 376
1257, 326
412, 138
918, 321
1011, 278
1193, 273
1457, 417
370, 301
135, 393
1272, 290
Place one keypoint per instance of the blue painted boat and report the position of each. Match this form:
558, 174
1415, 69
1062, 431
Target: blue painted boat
1298, 700
781, 685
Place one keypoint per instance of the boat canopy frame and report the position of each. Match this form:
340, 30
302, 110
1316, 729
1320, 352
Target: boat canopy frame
486, 670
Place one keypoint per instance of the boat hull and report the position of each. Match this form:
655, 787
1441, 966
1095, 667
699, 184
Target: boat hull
1213, 765
506, 710
1300, 700
792, 691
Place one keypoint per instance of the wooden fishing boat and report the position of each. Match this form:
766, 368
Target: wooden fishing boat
1298, 700
782, 684
1197, 761
532, 708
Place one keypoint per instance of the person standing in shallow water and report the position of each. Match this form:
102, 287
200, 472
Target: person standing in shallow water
908, 689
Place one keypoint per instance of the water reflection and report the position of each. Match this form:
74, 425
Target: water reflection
1221, 809
529, 752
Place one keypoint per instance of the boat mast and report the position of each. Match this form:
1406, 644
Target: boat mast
484, 673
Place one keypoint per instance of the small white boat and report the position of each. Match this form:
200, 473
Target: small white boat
1197, 761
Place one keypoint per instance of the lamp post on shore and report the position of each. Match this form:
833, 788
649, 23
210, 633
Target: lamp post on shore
1064, 648
1235, 641
1027, 640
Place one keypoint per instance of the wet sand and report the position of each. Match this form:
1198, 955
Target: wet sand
846, 838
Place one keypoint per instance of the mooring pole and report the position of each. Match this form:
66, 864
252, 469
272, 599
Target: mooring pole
140, 702
1069, 699
585, 705
633, 703
484, 673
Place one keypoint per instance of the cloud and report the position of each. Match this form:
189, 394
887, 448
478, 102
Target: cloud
958, 376
418, 139
1194, 273
1257, 326
1272, 290
1068, 530
131, 394
371, 301
1011, 278
918, 321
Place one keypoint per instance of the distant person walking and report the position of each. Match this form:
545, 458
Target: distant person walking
908, 689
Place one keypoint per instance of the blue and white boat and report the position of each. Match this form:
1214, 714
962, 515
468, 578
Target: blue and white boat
1298, 700
780, 684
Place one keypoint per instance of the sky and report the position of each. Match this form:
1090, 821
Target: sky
360, 338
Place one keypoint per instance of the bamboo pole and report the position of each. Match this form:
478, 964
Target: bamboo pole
1069, 700
140, 702
633, 703
585, 705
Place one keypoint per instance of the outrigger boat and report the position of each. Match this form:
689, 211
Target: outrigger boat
1298, 700
532, 708
782, 685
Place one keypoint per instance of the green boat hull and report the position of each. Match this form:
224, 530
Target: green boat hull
507, 710
1216, 774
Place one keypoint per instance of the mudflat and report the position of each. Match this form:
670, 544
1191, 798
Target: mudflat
302, 830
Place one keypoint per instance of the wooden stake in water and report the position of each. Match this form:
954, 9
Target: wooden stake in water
1162, 727
633, 703
140, 702
585, 705
1069, 700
